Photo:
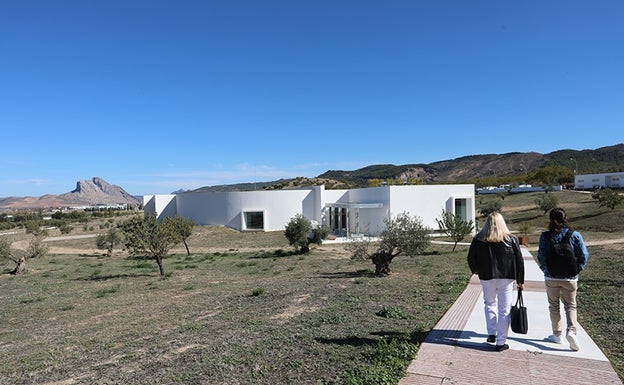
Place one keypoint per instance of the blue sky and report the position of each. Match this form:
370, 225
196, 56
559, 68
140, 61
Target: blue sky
156, 96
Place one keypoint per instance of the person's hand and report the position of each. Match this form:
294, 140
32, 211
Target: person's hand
520, 286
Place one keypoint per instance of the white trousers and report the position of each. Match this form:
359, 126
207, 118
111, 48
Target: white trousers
497, 297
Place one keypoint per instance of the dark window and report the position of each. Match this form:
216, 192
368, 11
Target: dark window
254, 220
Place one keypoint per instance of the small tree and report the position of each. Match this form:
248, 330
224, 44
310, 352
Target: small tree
36, 248
402, 235
151, 238
184, 228
608, 198
300, 233
454, 226
5, 253
65, 228
108, 241
490, 207
546, 202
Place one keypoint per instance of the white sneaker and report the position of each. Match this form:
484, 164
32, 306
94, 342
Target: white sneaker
571, 337
555, 339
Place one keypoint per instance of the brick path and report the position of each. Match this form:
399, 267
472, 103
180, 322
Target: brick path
455, 351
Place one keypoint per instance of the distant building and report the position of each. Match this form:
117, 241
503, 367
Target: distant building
344, 212
517, 189
594, 181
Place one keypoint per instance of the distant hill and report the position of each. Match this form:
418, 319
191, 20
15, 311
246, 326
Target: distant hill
467, 168
464, 169
87, 193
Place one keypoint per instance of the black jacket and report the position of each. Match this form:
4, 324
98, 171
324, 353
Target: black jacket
496, 260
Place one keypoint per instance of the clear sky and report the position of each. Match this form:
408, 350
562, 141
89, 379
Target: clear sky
156, 96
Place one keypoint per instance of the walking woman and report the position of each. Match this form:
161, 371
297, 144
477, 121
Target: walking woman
561, 274
495, 256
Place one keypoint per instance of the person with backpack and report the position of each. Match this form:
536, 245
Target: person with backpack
495, 256
562, 255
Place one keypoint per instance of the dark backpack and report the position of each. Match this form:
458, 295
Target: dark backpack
561, 260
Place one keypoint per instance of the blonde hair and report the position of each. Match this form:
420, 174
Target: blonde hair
495, 229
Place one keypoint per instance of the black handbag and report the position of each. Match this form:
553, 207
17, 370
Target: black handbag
519, 318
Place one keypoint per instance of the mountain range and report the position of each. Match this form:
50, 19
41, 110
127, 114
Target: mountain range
464, 169
95, 191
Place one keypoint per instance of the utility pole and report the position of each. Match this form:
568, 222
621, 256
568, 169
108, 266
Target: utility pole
575, 165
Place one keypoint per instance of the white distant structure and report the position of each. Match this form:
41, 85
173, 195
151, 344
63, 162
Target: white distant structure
594, 181
516, 189
344, 212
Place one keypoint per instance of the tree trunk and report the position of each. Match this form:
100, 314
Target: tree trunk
188, 252
382, 263
20, 268
161, 268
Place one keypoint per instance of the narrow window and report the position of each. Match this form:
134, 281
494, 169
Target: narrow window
461, 208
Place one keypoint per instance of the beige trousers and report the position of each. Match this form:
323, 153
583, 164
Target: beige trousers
566, 292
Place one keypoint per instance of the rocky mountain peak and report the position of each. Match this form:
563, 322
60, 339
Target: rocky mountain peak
95, 191
98, 191
95, 185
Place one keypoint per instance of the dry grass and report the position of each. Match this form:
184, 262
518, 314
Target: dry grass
249, 314
242, 309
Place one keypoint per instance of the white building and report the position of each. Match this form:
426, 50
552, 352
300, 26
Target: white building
344, 212
593, 181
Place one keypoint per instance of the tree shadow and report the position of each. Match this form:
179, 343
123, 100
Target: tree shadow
587, 216
275, 254
415, 337
350, 341
527, 218
349, 274
98, 255
98, 278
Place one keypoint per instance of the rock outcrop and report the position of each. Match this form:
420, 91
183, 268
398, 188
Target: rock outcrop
95, 191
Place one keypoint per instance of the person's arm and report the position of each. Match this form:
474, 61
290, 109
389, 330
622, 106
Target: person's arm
541, 252
518, 263
580, 249
472, 257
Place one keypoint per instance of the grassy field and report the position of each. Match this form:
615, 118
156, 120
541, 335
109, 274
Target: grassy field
243, 310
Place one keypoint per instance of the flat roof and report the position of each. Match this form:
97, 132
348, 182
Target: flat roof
355, 205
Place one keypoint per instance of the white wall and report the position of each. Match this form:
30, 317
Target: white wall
280, 206
592, 181
428, 201
225, 208
371, 220
423, 201
161, 205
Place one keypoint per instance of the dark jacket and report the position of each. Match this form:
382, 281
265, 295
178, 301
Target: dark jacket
496, 260
576, 240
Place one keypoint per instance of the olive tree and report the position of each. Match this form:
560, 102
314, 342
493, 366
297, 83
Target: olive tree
454, 226
108, 241
300, 233
608, 198
6, 253
403, 235
35, 249
546, 202
184, 228
490, 207
150, 238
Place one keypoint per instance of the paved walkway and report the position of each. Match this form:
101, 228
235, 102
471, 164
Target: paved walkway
455, 351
